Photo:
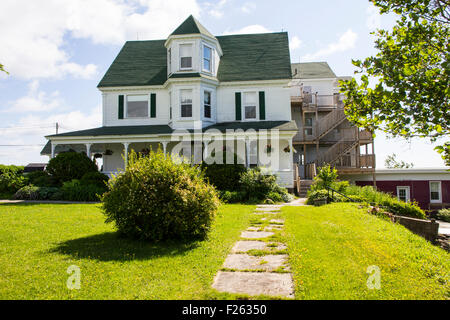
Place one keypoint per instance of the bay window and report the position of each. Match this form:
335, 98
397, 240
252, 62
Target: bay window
207, 104
207, 58
186, 103
185, 56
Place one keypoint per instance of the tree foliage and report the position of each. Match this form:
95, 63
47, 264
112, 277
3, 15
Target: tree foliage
391, 162
409, 95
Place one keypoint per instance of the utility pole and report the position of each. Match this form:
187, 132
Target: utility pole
57, 127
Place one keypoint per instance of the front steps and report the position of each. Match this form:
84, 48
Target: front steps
305, 185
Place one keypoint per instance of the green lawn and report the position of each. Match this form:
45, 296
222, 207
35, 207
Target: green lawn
39, 242
331, 247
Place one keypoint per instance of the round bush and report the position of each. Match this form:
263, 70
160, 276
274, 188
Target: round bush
158, 199
29, 192
42, 179
95, 178
67, 166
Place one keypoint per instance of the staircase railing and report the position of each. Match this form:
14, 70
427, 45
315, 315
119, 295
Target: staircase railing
334, 152
330, 121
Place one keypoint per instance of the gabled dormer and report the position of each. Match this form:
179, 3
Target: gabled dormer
192, 49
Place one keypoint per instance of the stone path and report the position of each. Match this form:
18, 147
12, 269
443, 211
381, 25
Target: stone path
256, 265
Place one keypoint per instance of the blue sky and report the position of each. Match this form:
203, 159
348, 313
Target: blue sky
57, 52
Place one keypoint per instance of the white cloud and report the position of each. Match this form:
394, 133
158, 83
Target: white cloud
216, 13
248, 7
31, 130
36, 100
346, 41
254, 28
33, 32
373, 20
295, 43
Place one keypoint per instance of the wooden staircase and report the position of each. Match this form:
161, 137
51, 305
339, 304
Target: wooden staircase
336, 151
330, 122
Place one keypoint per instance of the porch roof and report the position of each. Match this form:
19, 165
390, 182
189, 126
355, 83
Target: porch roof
122, 131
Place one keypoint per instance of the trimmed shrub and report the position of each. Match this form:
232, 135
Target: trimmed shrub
95, 178
11, 181
29, 192
157, 198
444, 215
11, 169
67, 166
232, 196
316, 195
42, 179
258, 185
49, 193
75, 191
275, 197
224, 176
386, 200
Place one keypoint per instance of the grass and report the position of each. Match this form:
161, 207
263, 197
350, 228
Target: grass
39, 242
331, 247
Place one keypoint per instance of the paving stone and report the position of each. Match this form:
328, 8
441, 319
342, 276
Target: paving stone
269, 205
280, 246
277, 221
266, 212
267, 209
271, 227
256, 234
253, 228
255, 283
244, 246
246, 262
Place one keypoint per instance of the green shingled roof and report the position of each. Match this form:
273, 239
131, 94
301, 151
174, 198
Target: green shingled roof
191, 26
312, 70
245, 58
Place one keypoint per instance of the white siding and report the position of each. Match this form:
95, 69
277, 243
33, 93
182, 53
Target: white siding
278, 104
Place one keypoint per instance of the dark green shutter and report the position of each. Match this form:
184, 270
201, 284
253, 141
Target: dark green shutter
262, 105
153, 105
238, 106
121, 107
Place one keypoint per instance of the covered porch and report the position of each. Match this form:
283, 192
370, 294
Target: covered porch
261, 147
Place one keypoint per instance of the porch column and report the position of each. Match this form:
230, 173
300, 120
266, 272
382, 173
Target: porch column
291, 157
164, 143
205, 150
247, 153
125, 146
88, 150
53, 146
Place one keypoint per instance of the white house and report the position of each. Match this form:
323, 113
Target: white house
199, 88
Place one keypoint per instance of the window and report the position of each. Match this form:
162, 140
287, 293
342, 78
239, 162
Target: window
169, 60
403, 194
207, 58
250, 105
137, 106
435, 191
186, 103
186, 56
170, 105
207, 104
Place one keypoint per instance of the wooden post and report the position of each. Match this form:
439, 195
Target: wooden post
125, 147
